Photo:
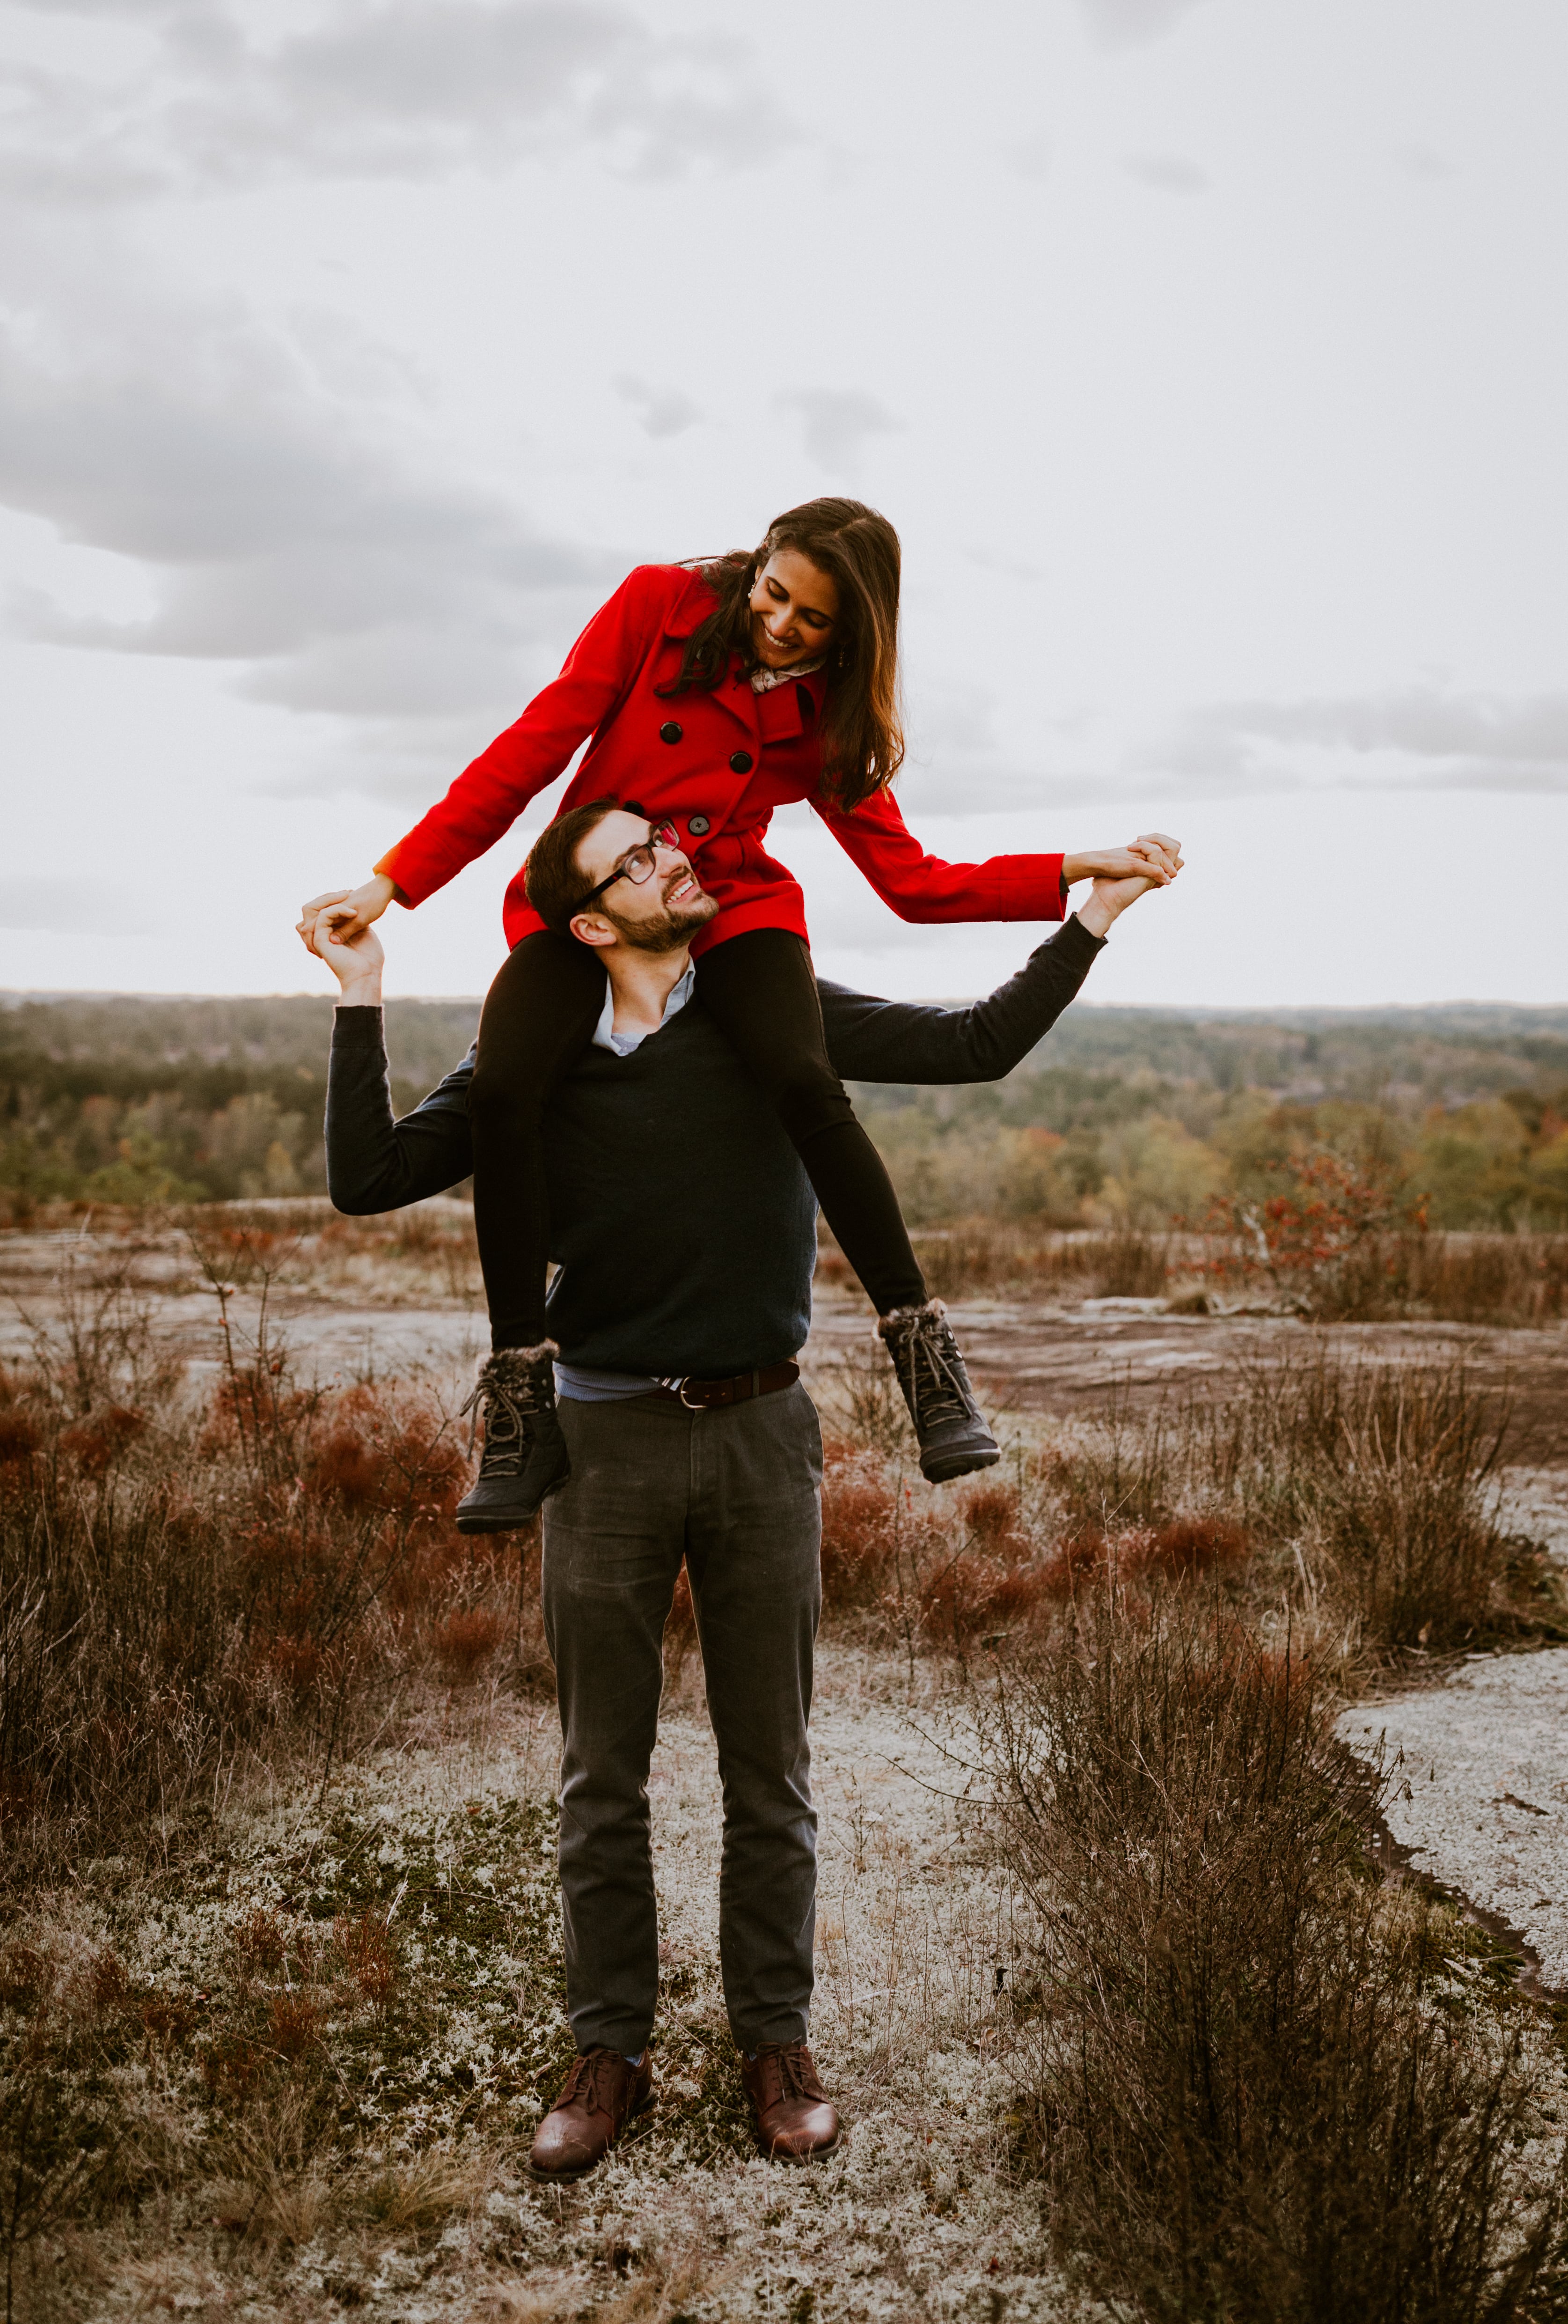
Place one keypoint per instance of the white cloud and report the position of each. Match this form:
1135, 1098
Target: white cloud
211, 95
1168, 173
836, 423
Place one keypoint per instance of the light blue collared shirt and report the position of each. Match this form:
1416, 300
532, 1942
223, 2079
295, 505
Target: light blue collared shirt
622, 1045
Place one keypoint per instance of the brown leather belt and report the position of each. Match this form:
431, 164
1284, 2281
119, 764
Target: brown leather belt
712, 1395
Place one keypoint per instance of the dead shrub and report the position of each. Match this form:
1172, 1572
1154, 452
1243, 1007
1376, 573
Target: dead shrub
1239, 2094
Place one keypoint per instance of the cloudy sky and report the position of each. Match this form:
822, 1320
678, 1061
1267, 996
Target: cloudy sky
1209, 357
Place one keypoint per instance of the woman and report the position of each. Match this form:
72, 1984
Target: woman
712, 695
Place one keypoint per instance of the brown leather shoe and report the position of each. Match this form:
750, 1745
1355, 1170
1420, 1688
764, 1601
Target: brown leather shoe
793, 2115
598, 2098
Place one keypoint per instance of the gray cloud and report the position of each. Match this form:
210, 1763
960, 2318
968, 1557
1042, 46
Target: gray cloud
1168, 173
1419, 160
1132, 24
337, 562
405, 89
661, 411
1418, 737
836, 423
69, 907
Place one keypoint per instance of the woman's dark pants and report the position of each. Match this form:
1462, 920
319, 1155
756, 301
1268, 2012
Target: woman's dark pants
736, 1493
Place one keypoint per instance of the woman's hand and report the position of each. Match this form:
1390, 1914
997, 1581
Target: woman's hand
346, 912
1152, 856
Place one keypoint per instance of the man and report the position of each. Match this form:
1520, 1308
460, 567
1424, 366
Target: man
685, 1231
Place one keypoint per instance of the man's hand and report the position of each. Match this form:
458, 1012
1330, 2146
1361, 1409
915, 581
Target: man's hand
346, 911
356, 962
1152, 854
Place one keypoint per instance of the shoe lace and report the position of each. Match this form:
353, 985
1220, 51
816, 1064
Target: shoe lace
595, 2080
798, 2076
927, 1354
508, 1411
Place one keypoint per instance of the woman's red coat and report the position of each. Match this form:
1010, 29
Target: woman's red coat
632, 646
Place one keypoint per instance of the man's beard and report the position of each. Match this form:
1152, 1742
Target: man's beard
667, 931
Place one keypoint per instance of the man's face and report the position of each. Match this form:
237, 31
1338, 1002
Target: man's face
659, 914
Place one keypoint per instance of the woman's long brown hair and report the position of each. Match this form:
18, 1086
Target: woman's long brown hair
862, 736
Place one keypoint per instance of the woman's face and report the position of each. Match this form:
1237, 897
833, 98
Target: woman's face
794, 610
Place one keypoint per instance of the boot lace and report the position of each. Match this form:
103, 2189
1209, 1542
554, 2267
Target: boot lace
931, 1370
509, 1408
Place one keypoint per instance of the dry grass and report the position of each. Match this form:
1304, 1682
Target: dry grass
1258, 2088
1463, 1279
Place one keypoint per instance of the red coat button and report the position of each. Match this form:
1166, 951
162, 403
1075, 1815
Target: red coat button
741, 761
671, 730
698, 825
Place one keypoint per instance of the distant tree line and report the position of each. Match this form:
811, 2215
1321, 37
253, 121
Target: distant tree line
1136, 1115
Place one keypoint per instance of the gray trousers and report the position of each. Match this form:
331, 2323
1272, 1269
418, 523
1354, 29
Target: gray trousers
737, 1494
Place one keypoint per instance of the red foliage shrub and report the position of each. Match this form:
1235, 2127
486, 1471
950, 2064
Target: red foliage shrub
973, 1596
167, 2018
260, 1943
1187, 1545
465, 1641
294, 2023
1078, 1556
364, 1947
20, 1438
347, 1469
298, 1661
96, 1443
859, 1530
679, 1623
991, 1514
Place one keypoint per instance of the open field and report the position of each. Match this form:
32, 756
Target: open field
278, 1967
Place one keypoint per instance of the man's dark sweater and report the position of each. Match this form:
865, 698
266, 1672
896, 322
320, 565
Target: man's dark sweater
683, 1223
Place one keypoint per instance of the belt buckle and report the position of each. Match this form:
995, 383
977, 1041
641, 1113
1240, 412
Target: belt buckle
681, 1393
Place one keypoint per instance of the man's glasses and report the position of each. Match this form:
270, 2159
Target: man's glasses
639, 866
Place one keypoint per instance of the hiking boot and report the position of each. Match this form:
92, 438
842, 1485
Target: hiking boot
794, 2118
598, 2098
953, 1439
525, 1455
